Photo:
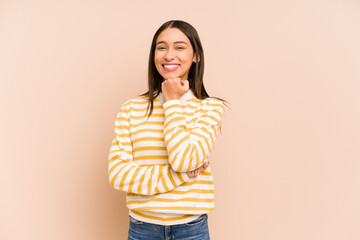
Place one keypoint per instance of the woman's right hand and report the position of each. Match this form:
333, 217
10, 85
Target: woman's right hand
196, 172
174, 88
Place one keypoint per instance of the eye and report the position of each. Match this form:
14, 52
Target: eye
180, 47
160, 48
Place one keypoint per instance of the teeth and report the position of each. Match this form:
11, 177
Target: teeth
171, 66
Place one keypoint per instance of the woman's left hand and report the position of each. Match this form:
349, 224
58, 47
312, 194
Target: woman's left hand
197, 171
174, 88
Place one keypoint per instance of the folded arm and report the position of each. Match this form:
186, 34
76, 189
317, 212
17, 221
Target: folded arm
126, 175
189, 146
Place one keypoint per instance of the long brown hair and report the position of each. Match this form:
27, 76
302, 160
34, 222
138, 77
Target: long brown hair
196, 72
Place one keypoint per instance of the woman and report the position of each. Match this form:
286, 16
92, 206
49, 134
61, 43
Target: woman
159, 153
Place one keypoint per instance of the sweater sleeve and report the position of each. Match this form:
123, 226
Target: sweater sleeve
188, 145
126, 175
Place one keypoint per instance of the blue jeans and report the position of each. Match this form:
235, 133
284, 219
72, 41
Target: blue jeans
197, 229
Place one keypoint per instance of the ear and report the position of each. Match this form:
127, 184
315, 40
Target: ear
194, 59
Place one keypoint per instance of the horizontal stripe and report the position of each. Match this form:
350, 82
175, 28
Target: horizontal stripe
180, 118
214, 105
160, 218
146, 123
144, 109
150, 165
177, 208
191, 191
172, 200
148, 139
140, 102
122, 119
113, 151
211, 117
150, 157
149, 148
123, 127
188, 106
172, 107
205, 173
195, 100
198, 182
122, 135
122, 144
146, 130
205, 191
160, 115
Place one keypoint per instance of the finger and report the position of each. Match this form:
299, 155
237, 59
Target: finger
206, 164
185, 83
203, 167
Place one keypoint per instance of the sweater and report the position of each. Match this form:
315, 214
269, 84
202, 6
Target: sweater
149, 157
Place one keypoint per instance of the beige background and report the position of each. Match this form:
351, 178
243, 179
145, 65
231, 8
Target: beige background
287, 162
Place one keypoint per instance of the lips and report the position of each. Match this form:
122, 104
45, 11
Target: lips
170, 67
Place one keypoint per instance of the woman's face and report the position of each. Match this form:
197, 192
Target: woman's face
173, 54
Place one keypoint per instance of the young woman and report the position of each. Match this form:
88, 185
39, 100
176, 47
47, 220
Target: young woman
159, 153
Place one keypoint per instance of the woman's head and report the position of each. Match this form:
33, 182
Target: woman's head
176, 51
173, 54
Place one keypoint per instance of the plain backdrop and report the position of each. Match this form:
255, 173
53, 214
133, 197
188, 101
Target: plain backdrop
286, 164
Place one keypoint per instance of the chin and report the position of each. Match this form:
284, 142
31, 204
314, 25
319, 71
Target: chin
167, 76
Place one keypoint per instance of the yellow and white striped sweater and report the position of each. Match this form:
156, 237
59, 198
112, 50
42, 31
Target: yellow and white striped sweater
149, 157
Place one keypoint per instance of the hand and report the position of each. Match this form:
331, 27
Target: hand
196, 172
174, 88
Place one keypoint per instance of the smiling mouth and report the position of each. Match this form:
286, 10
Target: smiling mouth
170, 67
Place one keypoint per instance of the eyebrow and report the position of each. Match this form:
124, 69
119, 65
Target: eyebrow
174, 42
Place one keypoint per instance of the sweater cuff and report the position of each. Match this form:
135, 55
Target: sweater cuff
172, 105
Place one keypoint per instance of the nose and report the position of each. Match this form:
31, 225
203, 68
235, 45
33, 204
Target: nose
169, 55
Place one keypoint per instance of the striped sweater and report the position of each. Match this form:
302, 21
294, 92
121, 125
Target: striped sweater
149, 157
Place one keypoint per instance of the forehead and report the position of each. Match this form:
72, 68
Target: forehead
170, 35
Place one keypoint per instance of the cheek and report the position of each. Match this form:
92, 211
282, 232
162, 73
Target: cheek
188, 60
189, 57
156, 61
157, 58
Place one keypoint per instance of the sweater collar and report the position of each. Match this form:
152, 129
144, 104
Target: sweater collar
188, 95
